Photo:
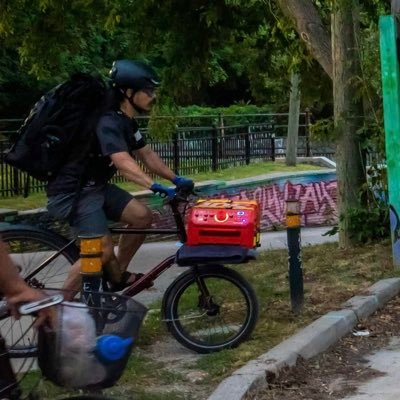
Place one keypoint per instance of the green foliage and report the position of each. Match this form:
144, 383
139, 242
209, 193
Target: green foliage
209, 53
370, 221
166, 117
323, 130
369, 224
163, 122
212, 53
233, 115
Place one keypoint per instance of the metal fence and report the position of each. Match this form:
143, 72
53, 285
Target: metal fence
210, 151
191, 150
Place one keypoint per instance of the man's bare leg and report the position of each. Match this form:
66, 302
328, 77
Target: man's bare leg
136, 215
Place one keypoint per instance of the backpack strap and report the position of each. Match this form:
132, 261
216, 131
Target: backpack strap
81, 182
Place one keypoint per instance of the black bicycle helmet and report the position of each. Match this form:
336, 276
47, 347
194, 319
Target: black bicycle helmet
128, 74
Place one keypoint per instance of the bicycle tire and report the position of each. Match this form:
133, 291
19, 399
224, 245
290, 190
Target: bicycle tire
182, 293
28, 246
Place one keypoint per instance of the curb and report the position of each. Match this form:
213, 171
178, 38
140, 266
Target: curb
308, 342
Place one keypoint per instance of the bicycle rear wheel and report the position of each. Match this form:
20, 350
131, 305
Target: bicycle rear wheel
41, 262
210, 308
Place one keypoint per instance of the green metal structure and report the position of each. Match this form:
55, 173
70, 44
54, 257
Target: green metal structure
391, 106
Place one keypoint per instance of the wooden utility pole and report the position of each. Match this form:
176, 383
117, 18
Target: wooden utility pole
293, 119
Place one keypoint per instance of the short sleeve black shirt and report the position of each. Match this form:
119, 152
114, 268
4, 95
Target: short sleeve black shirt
115, 133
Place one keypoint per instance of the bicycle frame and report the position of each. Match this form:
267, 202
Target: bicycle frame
146, 279
180, 230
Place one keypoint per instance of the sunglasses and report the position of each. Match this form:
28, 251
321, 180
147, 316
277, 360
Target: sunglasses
150, 91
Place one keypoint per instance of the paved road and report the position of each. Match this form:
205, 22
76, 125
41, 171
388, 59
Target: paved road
151, 254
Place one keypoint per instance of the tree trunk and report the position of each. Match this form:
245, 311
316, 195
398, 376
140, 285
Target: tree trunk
293, 120
347, 112
311, 29
342, 65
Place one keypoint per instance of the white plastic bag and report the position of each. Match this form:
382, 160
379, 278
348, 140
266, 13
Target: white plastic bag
79, 367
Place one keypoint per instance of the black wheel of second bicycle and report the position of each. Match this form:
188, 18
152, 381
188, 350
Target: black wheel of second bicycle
210, 308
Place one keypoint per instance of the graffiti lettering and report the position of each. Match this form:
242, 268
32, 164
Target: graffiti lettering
317, 201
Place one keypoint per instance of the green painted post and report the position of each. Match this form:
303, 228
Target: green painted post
391, 107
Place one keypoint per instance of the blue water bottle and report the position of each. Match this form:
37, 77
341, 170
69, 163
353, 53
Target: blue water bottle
110, 348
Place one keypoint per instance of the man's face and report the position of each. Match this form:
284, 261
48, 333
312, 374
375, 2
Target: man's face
145, 98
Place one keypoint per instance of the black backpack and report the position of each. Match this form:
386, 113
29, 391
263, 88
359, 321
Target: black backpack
42, 144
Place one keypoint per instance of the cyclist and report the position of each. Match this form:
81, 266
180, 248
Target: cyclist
12, 286
16, 291
132, 93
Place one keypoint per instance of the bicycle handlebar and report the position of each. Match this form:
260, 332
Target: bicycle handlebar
182, 194
35, 306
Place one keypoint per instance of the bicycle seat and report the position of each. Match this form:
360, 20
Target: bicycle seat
214, 253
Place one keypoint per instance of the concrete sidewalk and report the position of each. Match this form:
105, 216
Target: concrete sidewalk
150, 254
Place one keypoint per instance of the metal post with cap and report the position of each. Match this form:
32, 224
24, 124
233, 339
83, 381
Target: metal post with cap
293, 223
91, 268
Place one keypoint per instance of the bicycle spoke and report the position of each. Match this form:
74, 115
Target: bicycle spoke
218, 321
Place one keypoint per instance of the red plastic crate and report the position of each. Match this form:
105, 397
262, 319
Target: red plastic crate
224, 221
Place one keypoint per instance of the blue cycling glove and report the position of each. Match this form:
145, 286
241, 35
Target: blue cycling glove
163, 191
183, 183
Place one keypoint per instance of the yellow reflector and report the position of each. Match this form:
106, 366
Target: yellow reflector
293, 221
90, 245
91, 264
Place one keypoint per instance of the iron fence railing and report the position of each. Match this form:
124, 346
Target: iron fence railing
213, 150
191, 149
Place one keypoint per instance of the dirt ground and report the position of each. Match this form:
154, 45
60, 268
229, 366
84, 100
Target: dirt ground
336, 373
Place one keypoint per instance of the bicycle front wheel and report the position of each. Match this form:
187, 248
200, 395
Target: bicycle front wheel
210, 308
43, 261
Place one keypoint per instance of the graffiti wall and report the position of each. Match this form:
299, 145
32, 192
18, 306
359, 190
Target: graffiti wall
318, 200
317, 194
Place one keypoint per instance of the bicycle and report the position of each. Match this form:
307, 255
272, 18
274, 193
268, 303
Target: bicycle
207, 308
82, 347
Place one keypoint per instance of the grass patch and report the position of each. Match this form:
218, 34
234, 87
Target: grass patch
153, 328
37, 200
244, 171
255, 169
34, 200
